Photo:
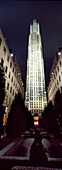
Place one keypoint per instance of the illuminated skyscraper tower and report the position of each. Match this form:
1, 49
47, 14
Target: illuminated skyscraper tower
35, 95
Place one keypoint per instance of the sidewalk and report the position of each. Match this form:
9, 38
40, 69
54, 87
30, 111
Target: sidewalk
8, 144
5, 141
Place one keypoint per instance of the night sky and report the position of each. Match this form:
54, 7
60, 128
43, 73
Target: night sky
15, 19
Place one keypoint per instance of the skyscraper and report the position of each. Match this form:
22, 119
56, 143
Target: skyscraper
35, 95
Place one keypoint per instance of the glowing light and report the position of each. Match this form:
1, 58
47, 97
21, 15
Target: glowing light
1, 136
59, 53
4, 120
36, 123
18, 74
36, 118
11, 54
6, 110
52, 73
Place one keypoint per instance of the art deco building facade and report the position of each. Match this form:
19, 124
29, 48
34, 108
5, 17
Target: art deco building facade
35, 95
12, 71
55, 83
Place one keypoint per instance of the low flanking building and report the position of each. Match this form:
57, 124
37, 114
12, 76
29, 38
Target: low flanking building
13, 75
55, 83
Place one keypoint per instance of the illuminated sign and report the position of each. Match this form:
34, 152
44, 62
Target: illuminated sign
36, 118
36, 122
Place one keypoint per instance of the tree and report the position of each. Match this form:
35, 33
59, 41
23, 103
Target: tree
19, 119
2, 96
45, 121
16, 122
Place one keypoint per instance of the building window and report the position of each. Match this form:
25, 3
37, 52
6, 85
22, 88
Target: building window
4, 50
60, 63
12, 79
8, 58
54, 76
61, 89
14, 82
9, 74
8, 86
10, 89
2, 61
57, 82
59, 78
56, 73
11, 64
13, 92
55, 85
6, 69
13, 69
0, 40
16, 85
58, 69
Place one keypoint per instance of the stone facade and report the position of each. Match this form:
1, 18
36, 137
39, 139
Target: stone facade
12, 71
55, 83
